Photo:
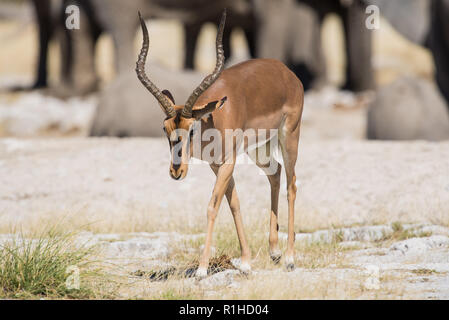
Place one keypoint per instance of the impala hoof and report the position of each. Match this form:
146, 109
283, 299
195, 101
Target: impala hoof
276, 256
200, 274
290, 263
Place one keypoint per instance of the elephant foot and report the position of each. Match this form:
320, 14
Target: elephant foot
20, 88
67, 91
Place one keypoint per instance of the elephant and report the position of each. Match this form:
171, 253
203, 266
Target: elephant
408, 109
124, 108
290, 32
411, 18
285, 25
119, 19
47, 22
285, 29
282, 27
413, 108
426, 23
423, 22
116, 114
77, 76
358, 40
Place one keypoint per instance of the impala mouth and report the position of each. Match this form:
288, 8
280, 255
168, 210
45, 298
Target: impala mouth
178, 174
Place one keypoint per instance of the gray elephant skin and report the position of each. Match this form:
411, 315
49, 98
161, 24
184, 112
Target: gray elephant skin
126, 108
119, 19
408, 109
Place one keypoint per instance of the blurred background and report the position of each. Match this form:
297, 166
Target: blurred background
373, 69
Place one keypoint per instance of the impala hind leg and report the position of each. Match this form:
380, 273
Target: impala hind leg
288, 139
272, 169
234, 205
224, 176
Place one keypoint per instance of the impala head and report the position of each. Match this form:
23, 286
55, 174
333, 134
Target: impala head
180, 120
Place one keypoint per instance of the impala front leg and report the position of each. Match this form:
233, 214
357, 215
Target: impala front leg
224, 176
234, 205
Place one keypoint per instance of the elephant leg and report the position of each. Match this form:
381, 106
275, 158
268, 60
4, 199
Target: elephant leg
43, 16
78, 74
439, 44
227, 42
273, 29
85, 77
191, 34
124, 48
317, 60
251, 38
306, 57
359, 70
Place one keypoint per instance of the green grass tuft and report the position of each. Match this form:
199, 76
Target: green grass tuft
33, 267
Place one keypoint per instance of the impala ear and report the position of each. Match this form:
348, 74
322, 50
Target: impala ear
204, 110
168, 95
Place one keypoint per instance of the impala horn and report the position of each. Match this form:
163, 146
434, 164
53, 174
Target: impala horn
210, 79
166, 105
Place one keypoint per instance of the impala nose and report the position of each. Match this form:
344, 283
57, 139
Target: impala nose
176, 173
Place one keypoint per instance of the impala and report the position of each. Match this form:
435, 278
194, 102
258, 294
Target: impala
259, 94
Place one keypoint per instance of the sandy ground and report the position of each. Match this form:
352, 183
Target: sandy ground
123, 185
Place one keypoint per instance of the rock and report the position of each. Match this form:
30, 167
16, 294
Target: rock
428, 229
354, 245
420, 244
220, 279
408, 109
126, 108
140, 245
356, 234
139, 248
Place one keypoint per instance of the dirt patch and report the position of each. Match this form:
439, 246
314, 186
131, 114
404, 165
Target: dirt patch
216, 265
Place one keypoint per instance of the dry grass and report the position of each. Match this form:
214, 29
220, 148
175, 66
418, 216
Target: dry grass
104, 222
44, 266
301, 284
322, 272
425, 272
272, 285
